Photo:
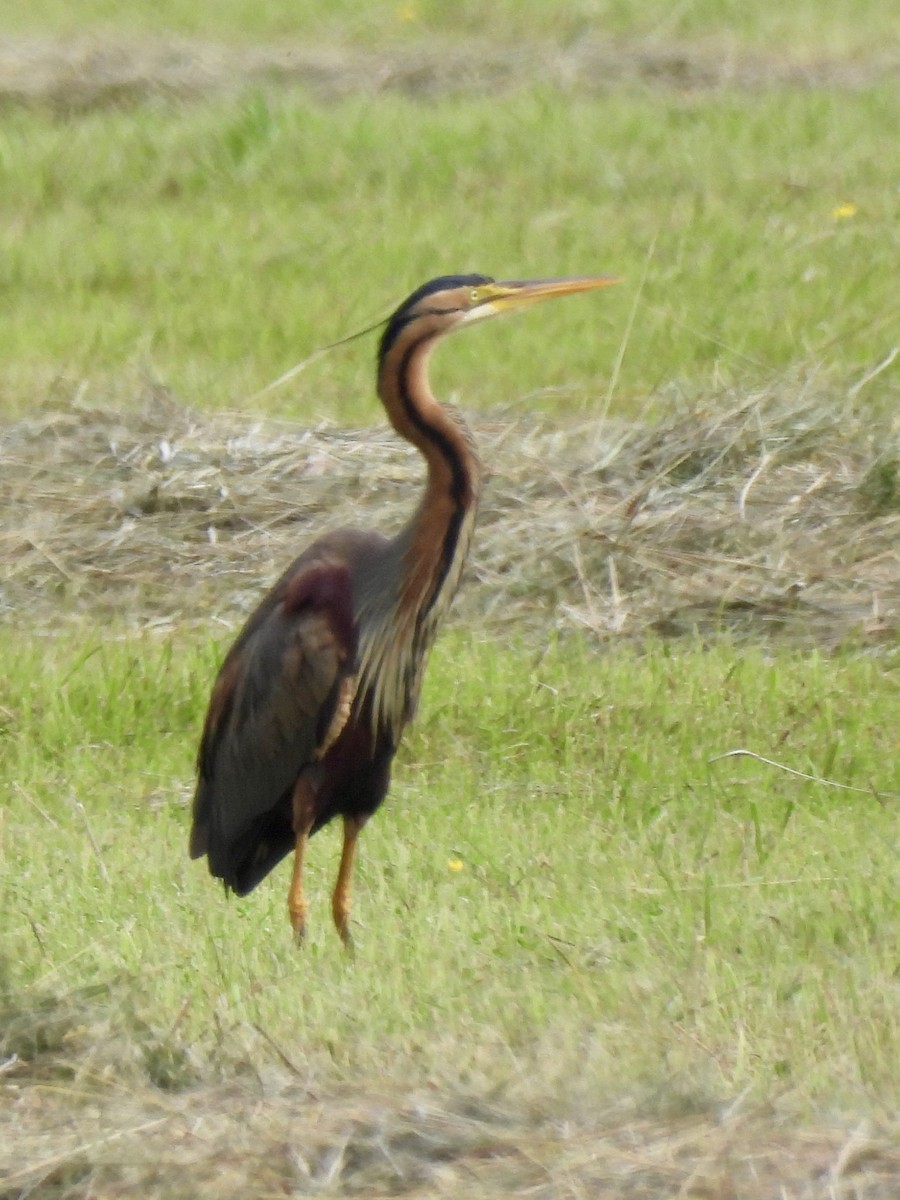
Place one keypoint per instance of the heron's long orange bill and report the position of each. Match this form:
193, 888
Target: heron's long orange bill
503, 297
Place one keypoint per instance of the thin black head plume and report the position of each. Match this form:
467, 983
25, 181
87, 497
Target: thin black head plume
406, 311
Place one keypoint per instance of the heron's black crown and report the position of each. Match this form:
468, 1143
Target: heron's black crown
407, 310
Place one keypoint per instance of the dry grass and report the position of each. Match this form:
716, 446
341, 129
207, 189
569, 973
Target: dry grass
238, 1140
90, 72
775, 515
275, 1135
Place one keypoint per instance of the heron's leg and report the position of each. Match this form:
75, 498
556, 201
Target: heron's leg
303, 820
340, 901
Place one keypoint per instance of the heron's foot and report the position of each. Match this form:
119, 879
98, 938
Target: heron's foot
341, 913
341, 897
347, 938
298, 924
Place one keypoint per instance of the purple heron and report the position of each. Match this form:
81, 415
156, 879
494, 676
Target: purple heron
312, 698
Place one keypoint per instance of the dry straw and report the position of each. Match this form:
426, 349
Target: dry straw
80, 73
775, 515
279, 1138
90, 1108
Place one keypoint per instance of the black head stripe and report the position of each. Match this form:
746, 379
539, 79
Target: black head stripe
407, 310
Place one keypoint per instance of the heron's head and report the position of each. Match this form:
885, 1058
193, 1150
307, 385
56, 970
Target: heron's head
452, 300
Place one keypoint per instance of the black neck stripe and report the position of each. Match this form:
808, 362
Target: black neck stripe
461, 483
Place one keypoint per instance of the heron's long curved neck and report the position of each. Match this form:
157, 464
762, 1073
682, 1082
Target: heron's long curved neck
436, 539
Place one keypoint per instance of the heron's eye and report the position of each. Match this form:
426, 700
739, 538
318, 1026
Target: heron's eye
474, 295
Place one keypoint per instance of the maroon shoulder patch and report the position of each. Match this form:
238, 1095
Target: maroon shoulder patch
326, 589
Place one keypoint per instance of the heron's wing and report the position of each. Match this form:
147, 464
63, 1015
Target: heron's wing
282, 696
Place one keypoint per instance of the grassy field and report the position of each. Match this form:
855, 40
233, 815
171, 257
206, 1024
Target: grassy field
565, 903
562, 874
594, 956
807, 28
214, 245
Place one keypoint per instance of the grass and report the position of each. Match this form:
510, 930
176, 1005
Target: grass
609, 907
809, 25
214, 245
565, 899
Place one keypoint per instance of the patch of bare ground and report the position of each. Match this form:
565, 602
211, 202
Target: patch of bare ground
773, 515
94, 71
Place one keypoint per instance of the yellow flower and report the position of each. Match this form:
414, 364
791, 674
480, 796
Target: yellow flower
455, 864
406, 12
844, 211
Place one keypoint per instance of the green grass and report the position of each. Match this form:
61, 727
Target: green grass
809, 26
625, 912
215, 245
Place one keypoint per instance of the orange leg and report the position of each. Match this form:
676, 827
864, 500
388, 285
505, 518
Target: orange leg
340, 901
304, 818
